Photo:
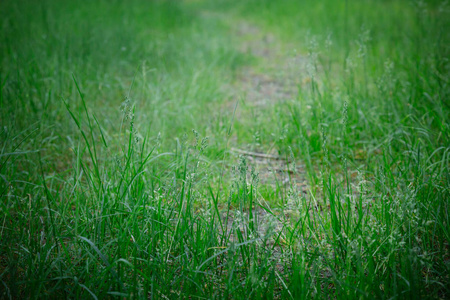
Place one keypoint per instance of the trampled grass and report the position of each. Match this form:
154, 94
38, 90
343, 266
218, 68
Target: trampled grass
224, 149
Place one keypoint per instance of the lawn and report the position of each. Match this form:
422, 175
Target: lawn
200, 149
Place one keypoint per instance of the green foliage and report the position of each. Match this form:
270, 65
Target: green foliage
106, 189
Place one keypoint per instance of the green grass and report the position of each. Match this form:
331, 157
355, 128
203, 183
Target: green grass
119, 174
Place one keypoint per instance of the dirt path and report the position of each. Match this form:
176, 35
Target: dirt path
279, 70
273, 78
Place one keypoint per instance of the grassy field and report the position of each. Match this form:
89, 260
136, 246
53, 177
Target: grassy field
225, 149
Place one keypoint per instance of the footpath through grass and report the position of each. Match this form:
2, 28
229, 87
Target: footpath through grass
224, 149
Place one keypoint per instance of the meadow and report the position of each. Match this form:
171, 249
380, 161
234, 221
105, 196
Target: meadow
199, 149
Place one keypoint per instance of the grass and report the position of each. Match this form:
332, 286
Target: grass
122, 124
